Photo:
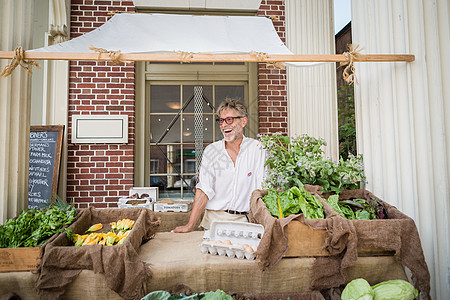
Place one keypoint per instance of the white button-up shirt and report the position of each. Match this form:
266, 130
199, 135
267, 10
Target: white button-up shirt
230, 186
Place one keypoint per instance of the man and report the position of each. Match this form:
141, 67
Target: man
231, 170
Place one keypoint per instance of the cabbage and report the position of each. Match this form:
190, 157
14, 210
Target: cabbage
394, 289
357, 289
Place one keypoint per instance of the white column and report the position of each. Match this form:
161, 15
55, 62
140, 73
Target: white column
56, 83
15, 28
312, 98
403, 112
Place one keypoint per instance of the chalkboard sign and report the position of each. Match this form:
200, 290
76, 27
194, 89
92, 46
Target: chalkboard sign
45, 157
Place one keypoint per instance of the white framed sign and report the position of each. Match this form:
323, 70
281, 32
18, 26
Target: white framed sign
100, 129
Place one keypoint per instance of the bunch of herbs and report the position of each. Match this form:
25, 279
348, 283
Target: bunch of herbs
300, 160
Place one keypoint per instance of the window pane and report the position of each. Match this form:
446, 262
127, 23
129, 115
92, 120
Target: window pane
188, 92
159, 125
229, 91
160, 182
189, 187
165, 98
189, 128
219, 134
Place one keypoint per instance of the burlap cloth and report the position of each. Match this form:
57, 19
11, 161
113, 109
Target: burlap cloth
125, 273
398, 233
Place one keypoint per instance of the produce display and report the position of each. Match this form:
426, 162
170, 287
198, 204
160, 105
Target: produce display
293, 201
358, 209
119, 231
300, 160
33, 227
360, 289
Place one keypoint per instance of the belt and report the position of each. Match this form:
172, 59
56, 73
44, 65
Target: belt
233, 212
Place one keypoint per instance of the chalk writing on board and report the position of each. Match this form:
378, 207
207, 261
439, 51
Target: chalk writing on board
44, 158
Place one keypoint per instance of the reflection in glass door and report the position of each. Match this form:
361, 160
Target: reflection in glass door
182, 124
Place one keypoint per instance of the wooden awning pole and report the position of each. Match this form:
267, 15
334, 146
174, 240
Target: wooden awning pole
174, 57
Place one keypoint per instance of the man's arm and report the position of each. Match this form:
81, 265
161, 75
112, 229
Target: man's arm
198, 207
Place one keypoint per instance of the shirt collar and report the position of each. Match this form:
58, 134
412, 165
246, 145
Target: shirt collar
243, 142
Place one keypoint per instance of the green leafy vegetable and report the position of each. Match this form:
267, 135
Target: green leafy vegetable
217, 295
163, 295
293, 201
394, 289
33, 227
357, 289
355, 209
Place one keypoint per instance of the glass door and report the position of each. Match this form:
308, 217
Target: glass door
182, 124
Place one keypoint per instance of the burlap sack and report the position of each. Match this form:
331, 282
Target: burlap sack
340, 243
125, 273
397, 233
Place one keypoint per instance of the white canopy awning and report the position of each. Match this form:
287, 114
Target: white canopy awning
183, 38
168, 33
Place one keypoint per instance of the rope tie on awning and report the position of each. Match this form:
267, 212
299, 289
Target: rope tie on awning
263, 57
349, 72
114, 55
18, 59
186, 57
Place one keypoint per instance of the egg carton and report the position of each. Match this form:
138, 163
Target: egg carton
233, 239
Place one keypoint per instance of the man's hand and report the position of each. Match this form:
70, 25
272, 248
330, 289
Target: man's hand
200, 200
183, 229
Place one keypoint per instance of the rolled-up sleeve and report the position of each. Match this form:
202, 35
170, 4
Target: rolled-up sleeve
206, 176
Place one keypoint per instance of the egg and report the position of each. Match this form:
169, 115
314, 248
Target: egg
227, 242
248, 249
218, 242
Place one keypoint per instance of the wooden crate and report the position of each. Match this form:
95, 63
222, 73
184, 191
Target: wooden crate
19, 259
305, 241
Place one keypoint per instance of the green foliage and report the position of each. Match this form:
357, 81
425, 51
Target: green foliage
33, 227
293, 201
300, 160
356, 209
346, 117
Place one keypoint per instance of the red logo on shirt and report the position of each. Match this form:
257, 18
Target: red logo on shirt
249, 174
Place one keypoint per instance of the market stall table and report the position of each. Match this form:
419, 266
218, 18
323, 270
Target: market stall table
177, 259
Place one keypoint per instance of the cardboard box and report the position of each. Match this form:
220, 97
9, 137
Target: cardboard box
173, 206
19, 259
151, 191
135, 204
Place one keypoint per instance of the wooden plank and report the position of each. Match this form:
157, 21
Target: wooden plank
19, 259
304, 241
176, 57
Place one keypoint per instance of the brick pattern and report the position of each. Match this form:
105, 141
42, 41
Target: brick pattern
98, 174
272, 84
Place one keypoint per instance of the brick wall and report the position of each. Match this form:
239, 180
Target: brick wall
99, 173
271, 80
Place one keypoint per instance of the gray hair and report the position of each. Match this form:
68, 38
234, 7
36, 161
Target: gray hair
237, 105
